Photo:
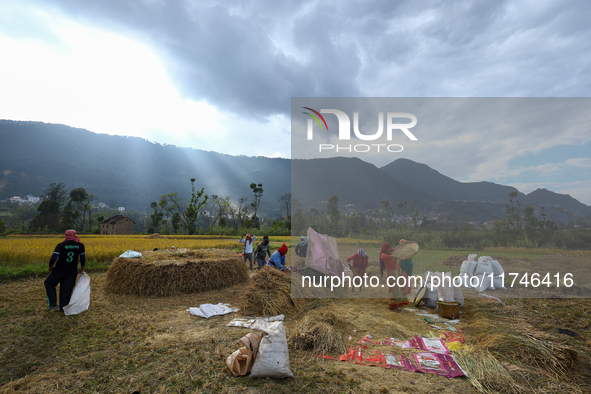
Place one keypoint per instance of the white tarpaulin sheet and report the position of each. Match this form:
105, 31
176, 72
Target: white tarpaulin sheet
209, 310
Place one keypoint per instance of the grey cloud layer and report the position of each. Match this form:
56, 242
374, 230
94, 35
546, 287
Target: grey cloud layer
251, 58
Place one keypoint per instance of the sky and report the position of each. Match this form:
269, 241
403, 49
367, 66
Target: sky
221, 76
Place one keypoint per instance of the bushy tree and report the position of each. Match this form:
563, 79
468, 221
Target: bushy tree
54, 198
187, 213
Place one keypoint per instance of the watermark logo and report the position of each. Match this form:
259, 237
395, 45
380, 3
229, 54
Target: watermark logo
344, 130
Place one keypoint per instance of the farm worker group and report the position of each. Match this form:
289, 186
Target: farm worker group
276, 260
63, 269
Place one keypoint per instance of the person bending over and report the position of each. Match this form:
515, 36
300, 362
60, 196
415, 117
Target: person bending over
277, 259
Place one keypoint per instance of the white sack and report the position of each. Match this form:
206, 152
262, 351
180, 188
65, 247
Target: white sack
445, 292
498, 270
484, 281
484, 267
467, 271
80, 299
430, 294
208, 310
272, 359
459, 296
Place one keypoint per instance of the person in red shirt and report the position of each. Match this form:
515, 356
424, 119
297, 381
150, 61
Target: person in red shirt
392, 268
359, 264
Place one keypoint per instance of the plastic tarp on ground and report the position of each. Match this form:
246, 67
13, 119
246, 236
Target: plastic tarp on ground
323, 254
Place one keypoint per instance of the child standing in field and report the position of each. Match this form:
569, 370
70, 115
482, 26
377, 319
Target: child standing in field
65, 258
247, 240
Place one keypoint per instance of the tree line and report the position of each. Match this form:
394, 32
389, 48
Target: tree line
200, 213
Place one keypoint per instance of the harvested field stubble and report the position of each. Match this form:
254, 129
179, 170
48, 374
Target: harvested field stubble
512, 355
169, 273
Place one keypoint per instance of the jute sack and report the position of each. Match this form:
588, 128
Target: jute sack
240, 362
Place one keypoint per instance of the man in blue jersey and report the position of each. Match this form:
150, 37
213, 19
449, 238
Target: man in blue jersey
63, 268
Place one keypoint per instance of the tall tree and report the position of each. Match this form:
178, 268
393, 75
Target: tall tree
81, 205
285, 201
386, 213
56, 192
242, 211
192, 211
415, 214
220, 209
513, 213
258, 193
333, 213
54, 200
187, 213
155, 217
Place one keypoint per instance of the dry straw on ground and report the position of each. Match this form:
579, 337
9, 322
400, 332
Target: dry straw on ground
455, 260
319, 332
166, 273
269, 294
511, 355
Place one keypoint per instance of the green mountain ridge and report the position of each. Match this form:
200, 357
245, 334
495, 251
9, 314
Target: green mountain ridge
132, 172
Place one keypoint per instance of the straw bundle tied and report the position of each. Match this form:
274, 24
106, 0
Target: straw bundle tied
175, 273
269, 294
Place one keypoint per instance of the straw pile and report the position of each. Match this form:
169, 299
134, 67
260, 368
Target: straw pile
269, 294
169, 273
319, 332
455, 260
535, 362
155, 236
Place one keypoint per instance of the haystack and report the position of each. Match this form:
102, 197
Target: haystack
269, 294
166, 273
319, 332
155, 236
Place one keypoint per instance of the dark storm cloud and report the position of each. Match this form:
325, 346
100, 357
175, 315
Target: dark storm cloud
252, 57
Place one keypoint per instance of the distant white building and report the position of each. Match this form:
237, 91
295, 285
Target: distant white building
16, 200
32, 199
121, 209
102, 205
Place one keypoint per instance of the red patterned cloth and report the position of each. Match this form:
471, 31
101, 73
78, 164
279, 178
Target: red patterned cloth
71, 236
